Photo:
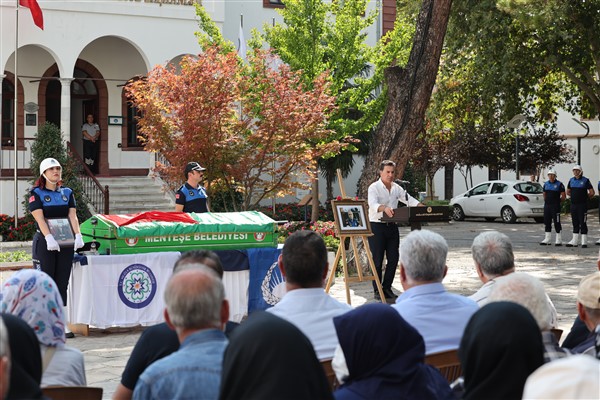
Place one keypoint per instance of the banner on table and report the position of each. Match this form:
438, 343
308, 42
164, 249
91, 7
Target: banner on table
122, 290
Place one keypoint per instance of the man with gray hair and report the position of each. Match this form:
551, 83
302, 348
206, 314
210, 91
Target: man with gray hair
197, 310
494, 258
4, 360
528, 291
588, 308
440, 317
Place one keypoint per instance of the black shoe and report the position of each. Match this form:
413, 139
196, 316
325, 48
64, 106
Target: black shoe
376, 296
69, 335
389, 294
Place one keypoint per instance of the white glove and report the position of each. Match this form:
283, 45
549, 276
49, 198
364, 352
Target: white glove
78, 241
51, 243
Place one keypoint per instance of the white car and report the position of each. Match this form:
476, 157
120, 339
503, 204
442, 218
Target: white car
508, 200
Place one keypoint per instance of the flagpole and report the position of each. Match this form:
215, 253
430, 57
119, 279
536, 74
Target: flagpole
16, 115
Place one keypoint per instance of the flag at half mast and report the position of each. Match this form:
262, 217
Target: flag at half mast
36, 12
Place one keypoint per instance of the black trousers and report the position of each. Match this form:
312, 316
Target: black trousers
552, 215
57, 264
90, 155
579, 217
385, 241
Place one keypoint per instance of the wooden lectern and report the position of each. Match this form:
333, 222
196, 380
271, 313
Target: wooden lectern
415, 215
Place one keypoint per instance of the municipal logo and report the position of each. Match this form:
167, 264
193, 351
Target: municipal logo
131, 241
259, 236
137, 286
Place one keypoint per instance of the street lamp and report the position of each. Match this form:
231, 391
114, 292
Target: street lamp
514, 123
587, 129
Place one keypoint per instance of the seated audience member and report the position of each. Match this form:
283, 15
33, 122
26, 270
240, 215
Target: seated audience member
384, 363
4, 360
197, 310
26, 360
269, 358
579, 332
588, 308
575, 377
494, 258
501, 347
32, 295
160, 340
440, 317
529, 292
303, 263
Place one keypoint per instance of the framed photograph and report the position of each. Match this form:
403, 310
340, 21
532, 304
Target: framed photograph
351, 217
62, 230
30, 119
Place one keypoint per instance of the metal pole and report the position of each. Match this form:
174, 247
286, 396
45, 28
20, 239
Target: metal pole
16, 117
517, 157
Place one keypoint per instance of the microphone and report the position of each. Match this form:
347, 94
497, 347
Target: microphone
401, 182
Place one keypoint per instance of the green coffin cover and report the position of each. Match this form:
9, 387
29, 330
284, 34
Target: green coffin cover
235, 230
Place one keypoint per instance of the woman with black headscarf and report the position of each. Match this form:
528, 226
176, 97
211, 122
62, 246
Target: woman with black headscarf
269, 358
26, 360
385, 363
501, 347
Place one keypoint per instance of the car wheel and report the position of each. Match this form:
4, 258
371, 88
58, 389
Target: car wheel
490, 219
458, 213
539, 220
508, 215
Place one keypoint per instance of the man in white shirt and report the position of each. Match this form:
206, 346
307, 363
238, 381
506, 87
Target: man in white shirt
383, 197
303, 263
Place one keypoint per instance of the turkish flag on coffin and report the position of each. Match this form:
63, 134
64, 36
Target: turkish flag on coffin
36, 12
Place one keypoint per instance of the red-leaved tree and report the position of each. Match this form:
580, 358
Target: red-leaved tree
254, 127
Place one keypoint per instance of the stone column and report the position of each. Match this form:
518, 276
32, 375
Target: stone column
65, 108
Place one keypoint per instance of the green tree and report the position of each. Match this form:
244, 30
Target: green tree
49, 143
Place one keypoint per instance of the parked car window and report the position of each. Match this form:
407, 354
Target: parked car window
481, 189
529, 187
499, 188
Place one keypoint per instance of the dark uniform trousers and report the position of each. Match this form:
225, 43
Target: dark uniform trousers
552, 215
57, 264
385, 241
579, 215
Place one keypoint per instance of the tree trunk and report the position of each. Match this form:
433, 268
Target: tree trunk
409, 92
314, 215
448, 181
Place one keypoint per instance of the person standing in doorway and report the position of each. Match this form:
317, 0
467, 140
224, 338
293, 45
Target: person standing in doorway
554, 194
91, 143
579, 189
192, 197
383, 196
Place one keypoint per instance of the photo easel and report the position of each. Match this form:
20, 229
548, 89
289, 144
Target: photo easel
341, 253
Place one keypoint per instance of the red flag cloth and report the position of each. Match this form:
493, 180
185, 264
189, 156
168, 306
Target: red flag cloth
150, 216
36, 12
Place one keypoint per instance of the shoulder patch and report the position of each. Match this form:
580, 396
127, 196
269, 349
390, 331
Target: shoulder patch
31, 198
177, 196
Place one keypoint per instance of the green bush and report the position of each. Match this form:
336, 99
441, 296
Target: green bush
14, 256
49, 143
294, 212
565, 206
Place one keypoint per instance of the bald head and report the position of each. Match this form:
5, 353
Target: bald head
195, 299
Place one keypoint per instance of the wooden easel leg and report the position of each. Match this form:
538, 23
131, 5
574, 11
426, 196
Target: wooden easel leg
356, 257
333, 268
373, 270
346, 277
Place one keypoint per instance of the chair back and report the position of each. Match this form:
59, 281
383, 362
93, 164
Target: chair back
73, 392
447, 363
331, 378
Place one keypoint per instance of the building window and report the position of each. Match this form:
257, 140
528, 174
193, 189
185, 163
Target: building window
8, 112
273, 3
130, 129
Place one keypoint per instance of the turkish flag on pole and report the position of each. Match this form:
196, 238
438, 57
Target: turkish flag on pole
36, 12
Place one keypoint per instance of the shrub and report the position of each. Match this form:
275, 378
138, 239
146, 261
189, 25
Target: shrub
14, 256
24, 231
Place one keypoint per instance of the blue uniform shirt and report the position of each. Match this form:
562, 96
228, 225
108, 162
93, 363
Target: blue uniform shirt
553, 191
192, 199
54, 203
579, 188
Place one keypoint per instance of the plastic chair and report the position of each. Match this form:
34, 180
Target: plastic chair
447, 363
73, 392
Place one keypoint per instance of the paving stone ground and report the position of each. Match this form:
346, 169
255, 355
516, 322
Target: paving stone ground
560, 268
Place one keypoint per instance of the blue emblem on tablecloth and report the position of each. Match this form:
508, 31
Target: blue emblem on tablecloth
137, 286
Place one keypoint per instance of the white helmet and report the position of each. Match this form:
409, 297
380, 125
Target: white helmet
49, 163
578, 167
552, 171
